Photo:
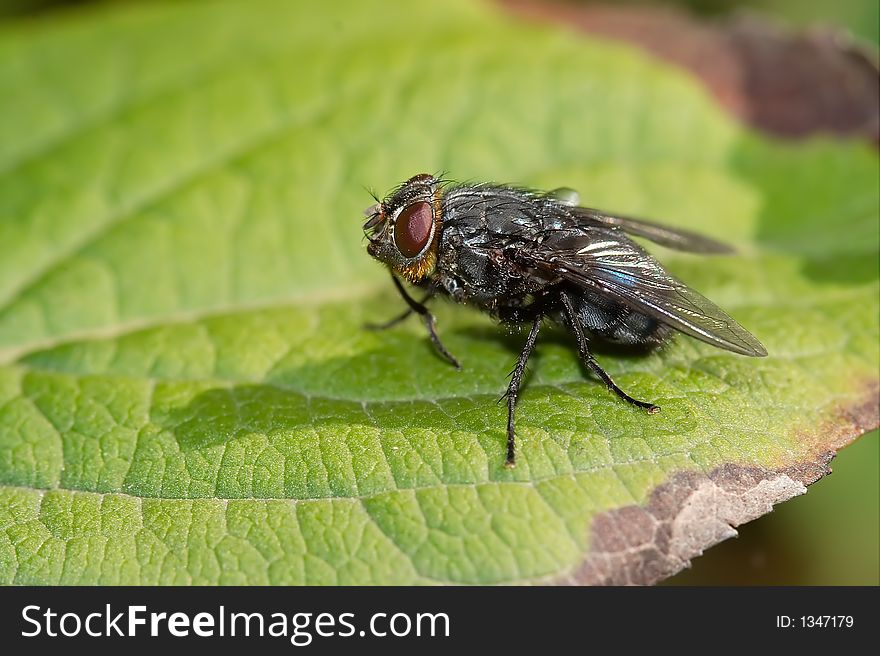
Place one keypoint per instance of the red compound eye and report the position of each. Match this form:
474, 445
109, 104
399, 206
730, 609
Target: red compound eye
413, 228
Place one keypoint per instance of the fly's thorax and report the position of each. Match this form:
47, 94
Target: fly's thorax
473, 267
404, 229
516, 213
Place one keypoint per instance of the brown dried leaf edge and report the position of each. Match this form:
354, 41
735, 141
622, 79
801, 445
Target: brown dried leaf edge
643, 544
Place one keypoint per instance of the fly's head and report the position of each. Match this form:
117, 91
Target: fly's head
404, 228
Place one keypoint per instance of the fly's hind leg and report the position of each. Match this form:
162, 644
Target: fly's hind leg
590, 361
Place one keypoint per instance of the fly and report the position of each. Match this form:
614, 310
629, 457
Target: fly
523, 256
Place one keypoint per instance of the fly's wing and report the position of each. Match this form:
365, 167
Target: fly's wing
682, 240
610, 263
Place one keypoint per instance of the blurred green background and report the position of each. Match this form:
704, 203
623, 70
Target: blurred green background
830, 536
861, 17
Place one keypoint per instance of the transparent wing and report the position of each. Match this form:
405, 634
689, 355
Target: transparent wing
610, 263
682, 240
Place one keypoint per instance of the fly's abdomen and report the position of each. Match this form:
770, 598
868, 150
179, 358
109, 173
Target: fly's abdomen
615, 322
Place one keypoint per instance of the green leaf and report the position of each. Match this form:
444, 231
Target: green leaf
186, 395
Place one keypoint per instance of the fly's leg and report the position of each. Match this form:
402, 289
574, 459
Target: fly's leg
513, 388
403, 315
427, 317
590, 361
396, 320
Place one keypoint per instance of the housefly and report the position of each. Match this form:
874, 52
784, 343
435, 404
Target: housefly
523, 256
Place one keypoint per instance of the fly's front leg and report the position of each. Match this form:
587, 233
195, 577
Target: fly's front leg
405, 314
590, 361
396, 320
427, 317
513, 388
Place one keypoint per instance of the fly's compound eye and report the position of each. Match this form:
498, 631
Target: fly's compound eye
413, 227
